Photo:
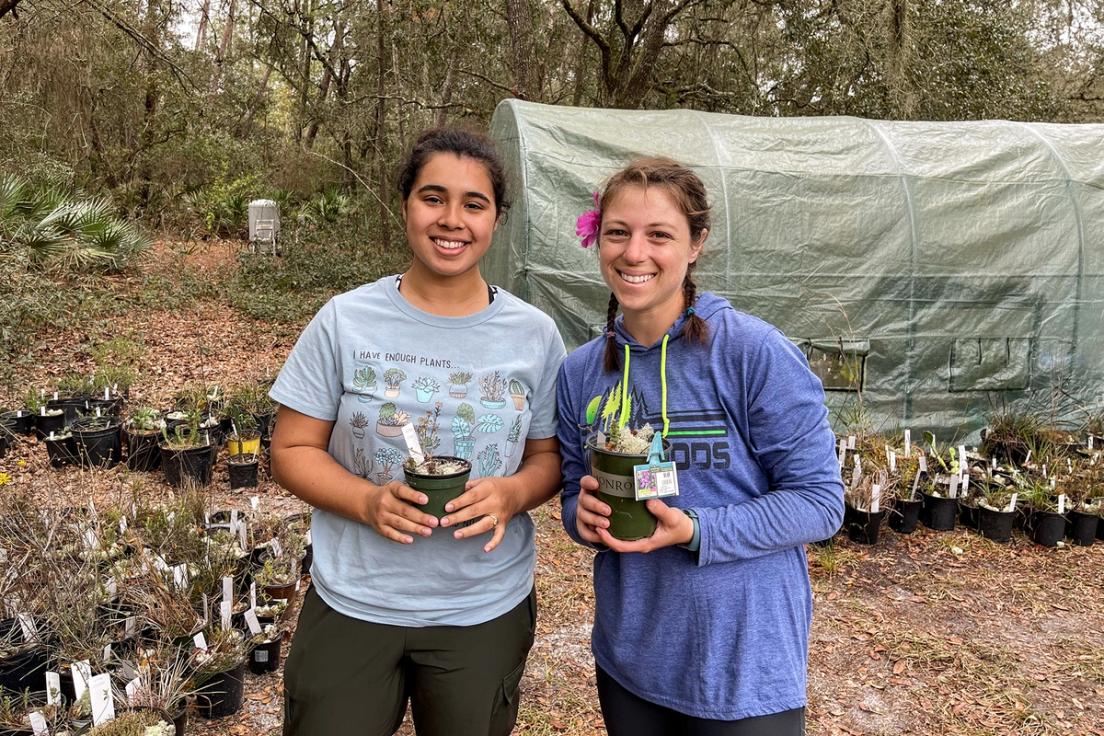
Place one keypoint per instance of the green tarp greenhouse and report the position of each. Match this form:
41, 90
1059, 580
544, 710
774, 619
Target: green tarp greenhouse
950, 268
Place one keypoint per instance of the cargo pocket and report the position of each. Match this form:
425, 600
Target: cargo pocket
504, 714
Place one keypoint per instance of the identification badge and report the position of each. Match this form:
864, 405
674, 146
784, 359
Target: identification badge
656, 478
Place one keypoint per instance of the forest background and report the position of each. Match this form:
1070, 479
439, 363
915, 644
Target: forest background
176, 113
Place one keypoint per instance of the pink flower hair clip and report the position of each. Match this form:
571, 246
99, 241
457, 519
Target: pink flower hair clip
586, 227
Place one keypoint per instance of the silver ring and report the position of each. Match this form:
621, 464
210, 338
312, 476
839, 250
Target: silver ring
494, 520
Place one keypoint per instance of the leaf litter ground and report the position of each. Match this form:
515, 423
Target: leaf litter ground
932, 633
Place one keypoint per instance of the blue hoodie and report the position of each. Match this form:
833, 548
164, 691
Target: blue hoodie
721, 633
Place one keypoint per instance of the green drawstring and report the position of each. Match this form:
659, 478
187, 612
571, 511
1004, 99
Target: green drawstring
623, 419
663, 383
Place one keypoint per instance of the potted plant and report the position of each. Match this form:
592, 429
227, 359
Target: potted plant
996, 513
863, 509
463, 432
904, 515
281, 565
219, 677
1048, 526
142, 430
517, 394
1084, 519
424, 388
492, 391
264, 652
97, 441
7, 435
22, 662
242, 470
60, 448
186, 454
15, 710
364, 381
244, 437
393, 378
389, 423
136, 722
940, 504
50, 419
441, 478
458, 384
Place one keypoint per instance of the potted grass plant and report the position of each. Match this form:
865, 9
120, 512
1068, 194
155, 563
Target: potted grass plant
142, 430
98, 440
997, 512
136, 722
219, 677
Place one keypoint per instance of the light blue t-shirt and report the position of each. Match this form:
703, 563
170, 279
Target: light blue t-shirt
371, 362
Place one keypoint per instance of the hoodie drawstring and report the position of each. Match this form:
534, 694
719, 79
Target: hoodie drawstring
623, 419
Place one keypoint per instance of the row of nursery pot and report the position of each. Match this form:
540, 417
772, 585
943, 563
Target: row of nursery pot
170, 591
1059, 494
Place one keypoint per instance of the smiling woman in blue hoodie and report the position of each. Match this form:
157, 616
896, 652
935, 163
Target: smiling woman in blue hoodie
708, 633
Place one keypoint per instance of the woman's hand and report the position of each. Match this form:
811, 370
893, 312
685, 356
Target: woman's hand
673, 527
591, 514
491, 502
392, 511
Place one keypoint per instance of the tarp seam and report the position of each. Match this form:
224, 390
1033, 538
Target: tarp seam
913, 258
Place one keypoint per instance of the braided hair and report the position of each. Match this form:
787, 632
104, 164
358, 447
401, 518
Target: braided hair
688, 191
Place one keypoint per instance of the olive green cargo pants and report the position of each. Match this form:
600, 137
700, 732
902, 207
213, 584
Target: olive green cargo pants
347, 677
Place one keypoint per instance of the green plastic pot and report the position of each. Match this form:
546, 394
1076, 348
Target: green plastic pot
630, 519
440, 488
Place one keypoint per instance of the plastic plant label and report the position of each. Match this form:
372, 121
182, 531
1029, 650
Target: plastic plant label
130, 625
915, 485
1091, 441
107, 653
111, 587
53, 688
255, 503
856, 472
251, 622
307, 538
260, 656
82, 675
206, 518
27, 625
225, 609
276, 547
954, 487
233, 519
1062, 503
965, 484
655, 480
297, 584
1012, 502
923, 464
850, 442
842, 454
107, 395
200, 641
228, 588
892, 457
963, 465
103, 708
252, 595
91, 541
122, 524
38, 723
180, 575
875, 499
908, 443
132, 688
242, 532
206, 608
410, 435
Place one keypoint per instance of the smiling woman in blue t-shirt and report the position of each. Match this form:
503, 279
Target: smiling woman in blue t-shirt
708, 632
404, 606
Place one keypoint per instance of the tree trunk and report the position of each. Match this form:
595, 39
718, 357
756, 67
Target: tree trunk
151, 103
520, 23
204, 19
381, 121
581, 65
901, 93
324, 87
224, 46
258, 100
305, 67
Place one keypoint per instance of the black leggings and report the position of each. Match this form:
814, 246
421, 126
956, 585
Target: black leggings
627, 715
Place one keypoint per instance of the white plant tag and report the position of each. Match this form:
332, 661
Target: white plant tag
252, 595
1044, 471
842, 454
172, 517
1012, 502
251, 622
225, 609
875, 499
307, 538
107, 653
206, 609
954, 487
923, 463
129, 625
1062, 503
260, 656
242, 540
233, 519
1090, 442
856, 472
1027, 458
103, 708
410, 435
963, 464
180, 575
27, 625
91, 541
228, 588
107, 394
965, 485
200, 641
53, 688
111, 587
892, 457
82, 674
850, 442
123, 524
276, 547
908, 443
38, 723
255, 503
132, 688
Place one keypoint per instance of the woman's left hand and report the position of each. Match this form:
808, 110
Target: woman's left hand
673, 527
489, 501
